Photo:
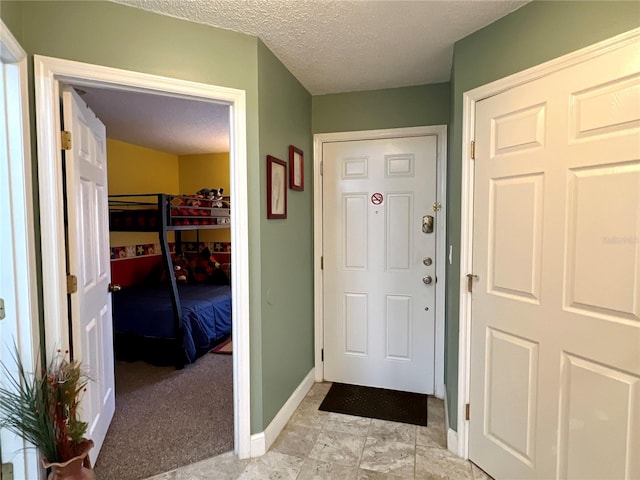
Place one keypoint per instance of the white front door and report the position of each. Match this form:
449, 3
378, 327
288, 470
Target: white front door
379, 317
88, 259
555, 337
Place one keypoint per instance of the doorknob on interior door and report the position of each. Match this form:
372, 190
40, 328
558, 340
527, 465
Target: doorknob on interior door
427, 279
114, 287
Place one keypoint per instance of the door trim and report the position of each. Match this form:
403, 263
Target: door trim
20, 198
48, 73
470, 98
440, 131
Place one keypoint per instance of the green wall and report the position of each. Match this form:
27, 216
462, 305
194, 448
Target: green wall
110, 34
377, 109
11, 14
533, 34
286, 245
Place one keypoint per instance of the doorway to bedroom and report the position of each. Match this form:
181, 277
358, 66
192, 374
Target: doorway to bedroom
62, 326
180, 148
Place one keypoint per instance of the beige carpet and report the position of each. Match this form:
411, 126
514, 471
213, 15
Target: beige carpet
167, 418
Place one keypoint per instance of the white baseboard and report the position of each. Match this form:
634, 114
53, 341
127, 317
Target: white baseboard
452, 435
452, 441
260, 442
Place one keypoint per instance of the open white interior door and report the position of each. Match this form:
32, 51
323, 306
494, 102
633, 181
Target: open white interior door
555, 337
85, 166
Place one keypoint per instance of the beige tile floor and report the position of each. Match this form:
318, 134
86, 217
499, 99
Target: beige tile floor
318, 445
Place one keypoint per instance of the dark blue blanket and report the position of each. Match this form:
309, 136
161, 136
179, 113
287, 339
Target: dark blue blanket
146, 311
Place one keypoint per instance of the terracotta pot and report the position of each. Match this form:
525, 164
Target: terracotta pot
76, 468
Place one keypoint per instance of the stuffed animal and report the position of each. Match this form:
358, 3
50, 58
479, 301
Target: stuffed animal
203, 265
211, 193
180, 270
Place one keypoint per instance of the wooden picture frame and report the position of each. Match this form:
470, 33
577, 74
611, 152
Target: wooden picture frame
276, 188
296, 168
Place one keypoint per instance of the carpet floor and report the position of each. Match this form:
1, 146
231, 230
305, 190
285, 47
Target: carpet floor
167, 418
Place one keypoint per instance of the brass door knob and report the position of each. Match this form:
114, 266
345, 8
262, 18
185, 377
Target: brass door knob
114, 287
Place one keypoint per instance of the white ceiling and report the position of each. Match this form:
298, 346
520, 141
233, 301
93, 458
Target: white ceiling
330, 46
167, 124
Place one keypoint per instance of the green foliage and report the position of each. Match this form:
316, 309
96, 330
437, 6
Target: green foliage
43, 408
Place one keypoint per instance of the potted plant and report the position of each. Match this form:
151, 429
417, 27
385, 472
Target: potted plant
42, 408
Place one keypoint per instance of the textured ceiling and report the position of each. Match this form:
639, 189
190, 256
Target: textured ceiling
334, 46
330, 46
172, 125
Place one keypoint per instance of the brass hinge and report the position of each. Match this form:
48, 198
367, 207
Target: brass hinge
7, 471
470, 278
321, 168
466, 411
473, 149
65, 140
72, 284
321, 263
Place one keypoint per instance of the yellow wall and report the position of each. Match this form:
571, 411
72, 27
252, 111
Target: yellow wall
210, 170
135, 169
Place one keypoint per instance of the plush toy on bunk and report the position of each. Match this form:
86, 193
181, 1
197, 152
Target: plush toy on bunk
207, 207
205, 268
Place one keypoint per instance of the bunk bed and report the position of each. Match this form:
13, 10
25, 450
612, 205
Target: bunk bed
187, 319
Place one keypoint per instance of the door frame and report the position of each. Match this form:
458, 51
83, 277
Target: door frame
440, 131
458, 441
48, 74
19, 197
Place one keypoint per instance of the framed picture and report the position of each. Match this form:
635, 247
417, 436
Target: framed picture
276, 188
296, 168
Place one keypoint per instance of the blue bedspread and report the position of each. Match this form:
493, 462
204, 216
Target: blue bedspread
146, 311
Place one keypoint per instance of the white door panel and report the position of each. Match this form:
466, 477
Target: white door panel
88, 252
555, 337
379, 315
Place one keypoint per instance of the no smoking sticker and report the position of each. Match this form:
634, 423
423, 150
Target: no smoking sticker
377, 198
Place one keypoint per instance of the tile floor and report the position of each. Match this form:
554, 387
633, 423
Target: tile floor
318, 445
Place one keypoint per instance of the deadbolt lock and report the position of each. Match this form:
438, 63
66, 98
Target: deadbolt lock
427, 261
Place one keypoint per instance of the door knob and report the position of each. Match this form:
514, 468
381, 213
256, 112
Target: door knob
114, 287
427, 279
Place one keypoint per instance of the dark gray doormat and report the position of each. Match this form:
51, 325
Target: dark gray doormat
370, 402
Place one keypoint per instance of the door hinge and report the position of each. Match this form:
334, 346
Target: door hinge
321, 168
436, 206
322, 263
72, 284
470, 278
473, 149
467, 408
65, 140
322, 355
7, 471
2, 312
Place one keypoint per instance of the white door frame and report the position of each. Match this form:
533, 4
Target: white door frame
440, 131
459, 441
48, 73
16, 145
